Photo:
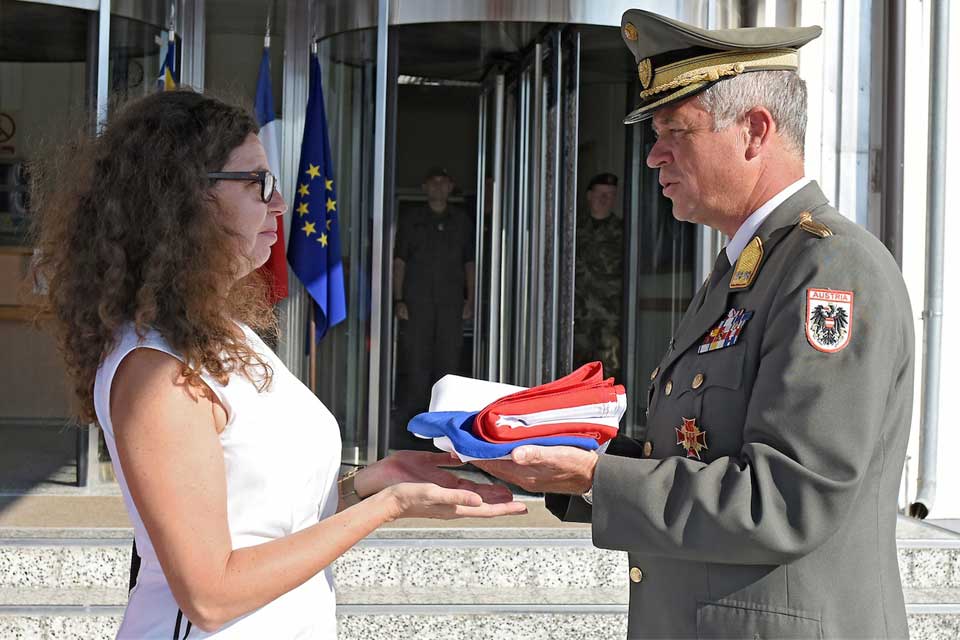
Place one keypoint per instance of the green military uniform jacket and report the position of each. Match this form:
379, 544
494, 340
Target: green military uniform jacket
785, 526
598, 294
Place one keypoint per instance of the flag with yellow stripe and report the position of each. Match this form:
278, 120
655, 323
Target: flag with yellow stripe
169, 71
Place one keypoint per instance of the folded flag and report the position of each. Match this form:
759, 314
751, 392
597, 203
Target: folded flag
453, 431
580, 404
581, 410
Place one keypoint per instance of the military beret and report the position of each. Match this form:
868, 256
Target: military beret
602, 178
676, 60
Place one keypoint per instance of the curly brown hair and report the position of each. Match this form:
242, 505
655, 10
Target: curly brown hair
129, 231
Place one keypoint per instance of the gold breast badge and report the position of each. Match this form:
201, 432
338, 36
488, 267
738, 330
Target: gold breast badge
748, 265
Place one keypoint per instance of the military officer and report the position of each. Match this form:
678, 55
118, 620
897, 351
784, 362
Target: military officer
760, 499
433, 288
598, 292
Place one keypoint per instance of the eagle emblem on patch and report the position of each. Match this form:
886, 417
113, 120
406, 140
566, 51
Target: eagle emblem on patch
829, 319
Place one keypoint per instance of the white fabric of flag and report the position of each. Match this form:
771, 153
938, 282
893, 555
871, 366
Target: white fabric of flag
461, 394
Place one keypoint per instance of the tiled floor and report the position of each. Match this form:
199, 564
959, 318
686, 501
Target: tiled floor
42, 460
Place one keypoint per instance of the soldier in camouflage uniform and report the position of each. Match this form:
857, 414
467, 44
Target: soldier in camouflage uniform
598, 294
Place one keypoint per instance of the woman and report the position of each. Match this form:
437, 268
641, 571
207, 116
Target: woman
228, 465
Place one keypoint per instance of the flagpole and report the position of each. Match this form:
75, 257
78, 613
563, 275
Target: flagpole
171, 32
266, 38
312, 359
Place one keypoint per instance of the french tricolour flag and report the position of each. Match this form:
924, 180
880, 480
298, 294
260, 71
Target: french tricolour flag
276, 267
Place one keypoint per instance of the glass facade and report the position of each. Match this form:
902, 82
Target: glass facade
520, 113
48, 69
342, 367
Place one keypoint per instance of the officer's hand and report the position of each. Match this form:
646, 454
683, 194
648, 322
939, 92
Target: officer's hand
401, 310
545, 469
468, 309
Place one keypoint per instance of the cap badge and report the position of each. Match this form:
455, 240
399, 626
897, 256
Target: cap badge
727, 332
691, 438
829, 319
748, 265
630, 32
646, 72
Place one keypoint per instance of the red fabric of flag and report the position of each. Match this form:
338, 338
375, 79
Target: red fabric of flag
275, 268
584, 388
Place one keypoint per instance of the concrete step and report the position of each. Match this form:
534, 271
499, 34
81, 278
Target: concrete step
426, 622
538, 580
431, 566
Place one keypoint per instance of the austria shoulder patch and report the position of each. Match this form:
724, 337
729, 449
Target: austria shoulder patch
829, 319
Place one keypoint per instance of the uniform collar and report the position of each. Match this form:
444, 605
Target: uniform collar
703, 312
749, 227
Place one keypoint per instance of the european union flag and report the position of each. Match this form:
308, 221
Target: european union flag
314, 249
169, 74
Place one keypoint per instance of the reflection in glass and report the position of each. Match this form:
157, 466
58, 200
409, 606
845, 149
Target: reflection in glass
47, 82
136, 50
658, 257
662, 260
343, 356
46, 70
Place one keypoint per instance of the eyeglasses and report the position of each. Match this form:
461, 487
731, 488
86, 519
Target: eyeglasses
268, 181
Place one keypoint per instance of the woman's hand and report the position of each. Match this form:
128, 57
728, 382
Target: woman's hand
427, 500
423, 466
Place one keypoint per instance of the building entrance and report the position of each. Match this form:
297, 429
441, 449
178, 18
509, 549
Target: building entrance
519, 219
514, 107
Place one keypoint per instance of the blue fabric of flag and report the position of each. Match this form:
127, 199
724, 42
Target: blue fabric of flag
314, 248
169, 74
263, 100
458, 426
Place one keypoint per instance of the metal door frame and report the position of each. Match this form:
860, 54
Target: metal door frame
519, 339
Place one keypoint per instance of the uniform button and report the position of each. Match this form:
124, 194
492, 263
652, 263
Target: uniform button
647, 449
635, 574
654, 374
668, 388
697, 380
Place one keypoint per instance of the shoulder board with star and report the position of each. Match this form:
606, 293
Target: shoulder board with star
813, 227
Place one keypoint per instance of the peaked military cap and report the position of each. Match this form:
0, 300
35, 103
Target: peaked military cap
676, 60
602, 178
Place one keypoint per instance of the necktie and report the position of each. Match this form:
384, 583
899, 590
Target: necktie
720, 268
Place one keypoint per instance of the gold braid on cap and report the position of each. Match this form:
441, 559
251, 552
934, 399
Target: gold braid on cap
712, 67
707, 74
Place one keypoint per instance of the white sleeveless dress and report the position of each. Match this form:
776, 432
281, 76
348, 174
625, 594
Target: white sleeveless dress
282, 453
